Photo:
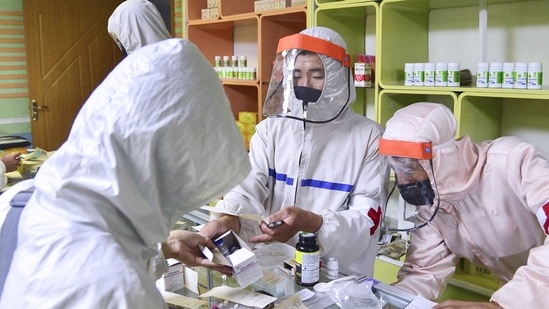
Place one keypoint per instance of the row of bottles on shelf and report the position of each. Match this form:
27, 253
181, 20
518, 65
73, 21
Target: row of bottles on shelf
432, 74
520, 75
234, 67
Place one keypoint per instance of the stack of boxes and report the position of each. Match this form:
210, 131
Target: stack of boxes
246, 123
211, 12
269, 5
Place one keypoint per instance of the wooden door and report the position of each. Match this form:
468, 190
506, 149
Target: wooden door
69, 53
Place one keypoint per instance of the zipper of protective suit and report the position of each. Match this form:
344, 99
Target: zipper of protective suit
301, 152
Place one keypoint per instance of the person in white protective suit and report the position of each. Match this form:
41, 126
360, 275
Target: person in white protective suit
132, 25
486, 202
136, 23
142, 151
8, 163
315, 162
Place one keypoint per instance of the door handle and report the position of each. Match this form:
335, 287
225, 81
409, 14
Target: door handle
35, 108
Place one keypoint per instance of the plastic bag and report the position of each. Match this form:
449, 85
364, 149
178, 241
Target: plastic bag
355, 294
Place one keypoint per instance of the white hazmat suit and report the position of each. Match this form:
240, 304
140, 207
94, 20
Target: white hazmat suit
136, 23
3, 178
331, 169
494, 205
155, 140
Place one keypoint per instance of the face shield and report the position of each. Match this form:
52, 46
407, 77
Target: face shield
408, 161
310, 80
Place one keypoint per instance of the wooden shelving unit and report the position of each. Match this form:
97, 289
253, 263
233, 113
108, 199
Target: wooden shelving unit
241, 30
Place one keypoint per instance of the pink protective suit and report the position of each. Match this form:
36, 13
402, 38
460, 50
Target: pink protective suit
493, 210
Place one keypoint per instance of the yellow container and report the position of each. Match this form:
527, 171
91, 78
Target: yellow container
249, 128
247, 117
241, 126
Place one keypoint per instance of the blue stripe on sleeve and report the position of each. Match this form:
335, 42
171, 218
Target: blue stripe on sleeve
281, 177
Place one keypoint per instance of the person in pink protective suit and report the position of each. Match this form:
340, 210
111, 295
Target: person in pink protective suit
486, 202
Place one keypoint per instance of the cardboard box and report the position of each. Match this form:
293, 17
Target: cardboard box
241, 126
247, 117
249, 128
363, 74
172, 280
246, 268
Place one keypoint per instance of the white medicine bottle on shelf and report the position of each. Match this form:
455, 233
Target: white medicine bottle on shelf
454, 77
508, 75
495, 75
535, 75
408, 74
429, 74
441, 74
521, 75
482, 74
419, 74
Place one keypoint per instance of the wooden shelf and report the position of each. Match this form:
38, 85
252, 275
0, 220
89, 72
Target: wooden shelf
240, 28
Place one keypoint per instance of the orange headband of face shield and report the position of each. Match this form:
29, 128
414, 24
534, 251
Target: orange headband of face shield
416, 150
313, 44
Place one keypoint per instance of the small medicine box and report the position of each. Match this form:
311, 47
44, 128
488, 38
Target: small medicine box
232, 251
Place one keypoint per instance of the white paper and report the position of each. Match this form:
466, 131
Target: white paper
420, 302
293, 302
274, 254
191, 279
254, 217
240, 296
182, 301
305, 294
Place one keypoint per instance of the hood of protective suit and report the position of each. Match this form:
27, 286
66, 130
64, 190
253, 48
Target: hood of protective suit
338, 92
453, 161
136, 23
155, 140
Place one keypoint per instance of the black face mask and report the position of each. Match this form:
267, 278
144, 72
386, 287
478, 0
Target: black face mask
418, 194
306, 94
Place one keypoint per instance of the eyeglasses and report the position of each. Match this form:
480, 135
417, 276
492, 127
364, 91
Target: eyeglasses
420, 215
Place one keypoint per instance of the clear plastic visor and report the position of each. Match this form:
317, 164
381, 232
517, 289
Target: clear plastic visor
414, 206
310, 80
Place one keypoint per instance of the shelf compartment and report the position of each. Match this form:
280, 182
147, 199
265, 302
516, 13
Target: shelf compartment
221, 34
392, 100
340, 2
243, 97
274, 25
228, 8
448, 31
357, 23
194, 9
486, 116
